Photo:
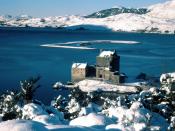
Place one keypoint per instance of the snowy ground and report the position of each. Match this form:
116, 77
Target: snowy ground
113, 115
137, 118
94, 85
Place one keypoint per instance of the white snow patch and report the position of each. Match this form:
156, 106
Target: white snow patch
67, 47
32, 110
79, 65
21, 125
94, 85
90, 120
106, 53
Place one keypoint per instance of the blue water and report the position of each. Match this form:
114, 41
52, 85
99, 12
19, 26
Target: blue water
21, 56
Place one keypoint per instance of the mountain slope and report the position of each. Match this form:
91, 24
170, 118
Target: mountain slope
159, 19
116, 11
163, 10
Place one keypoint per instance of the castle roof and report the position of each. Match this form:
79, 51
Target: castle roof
106, 53
79, 65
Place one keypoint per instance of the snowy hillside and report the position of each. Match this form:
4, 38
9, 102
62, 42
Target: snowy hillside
159, 19
116, 11
163, 10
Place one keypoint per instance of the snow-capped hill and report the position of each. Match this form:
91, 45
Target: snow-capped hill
159, 18
115, 11
23, 17
163, 10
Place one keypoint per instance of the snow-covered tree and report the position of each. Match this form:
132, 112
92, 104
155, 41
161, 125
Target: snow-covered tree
10, 105
28, 87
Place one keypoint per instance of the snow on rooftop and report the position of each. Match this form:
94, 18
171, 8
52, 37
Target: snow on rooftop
79, 65
106, 53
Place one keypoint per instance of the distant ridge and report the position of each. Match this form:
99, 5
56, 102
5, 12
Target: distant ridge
116, 11
158, 18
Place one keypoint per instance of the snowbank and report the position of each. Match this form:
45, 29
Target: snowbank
91, 120
38, 113
21, 125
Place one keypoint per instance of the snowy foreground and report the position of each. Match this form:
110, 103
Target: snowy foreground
148, 110
137, 118
159, 19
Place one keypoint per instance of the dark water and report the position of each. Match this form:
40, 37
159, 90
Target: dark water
21, 56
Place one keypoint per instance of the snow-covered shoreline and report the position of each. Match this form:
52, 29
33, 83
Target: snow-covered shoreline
95, 85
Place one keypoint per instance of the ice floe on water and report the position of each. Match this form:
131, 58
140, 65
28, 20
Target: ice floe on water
85, 44
68, 47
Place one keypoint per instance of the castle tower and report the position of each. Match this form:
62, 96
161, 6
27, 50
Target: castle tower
108, 66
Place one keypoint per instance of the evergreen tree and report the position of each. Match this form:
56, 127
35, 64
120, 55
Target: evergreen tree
28, 87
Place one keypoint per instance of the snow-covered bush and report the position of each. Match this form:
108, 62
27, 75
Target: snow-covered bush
60, 103
42, 114
135, 118
10, 106
71, 105
172, 123
32, 110
28, 87
168, 82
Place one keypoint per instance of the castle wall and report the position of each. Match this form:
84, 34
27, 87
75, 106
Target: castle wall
103, 61
107, 66
78, 74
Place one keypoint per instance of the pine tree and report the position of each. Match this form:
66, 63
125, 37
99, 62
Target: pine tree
28, 87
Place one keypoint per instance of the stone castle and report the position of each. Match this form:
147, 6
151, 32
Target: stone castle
107, 68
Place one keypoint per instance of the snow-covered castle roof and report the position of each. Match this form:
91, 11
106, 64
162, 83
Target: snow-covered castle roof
106, 53
79, 65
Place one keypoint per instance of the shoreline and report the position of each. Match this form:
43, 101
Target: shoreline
65, 29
